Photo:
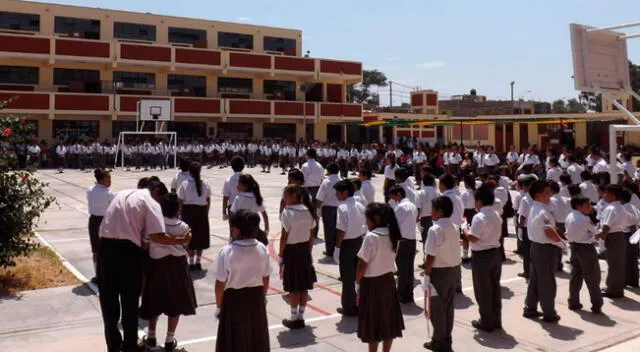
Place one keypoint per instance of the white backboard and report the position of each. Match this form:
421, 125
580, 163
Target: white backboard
154, 110
600, 61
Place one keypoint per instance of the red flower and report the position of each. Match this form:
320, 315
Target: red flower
6, 132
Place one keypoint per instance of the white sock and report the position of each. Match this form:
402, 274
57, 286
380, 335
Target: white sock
95, 267
301, 312
151, 334
191, 260
198, 258
170, 335
294, 313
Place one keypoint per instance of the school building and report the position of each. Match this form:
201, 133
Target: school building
79, 72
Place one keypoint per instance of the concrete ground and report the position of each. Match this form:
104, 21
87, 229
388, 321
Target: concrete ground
68, 318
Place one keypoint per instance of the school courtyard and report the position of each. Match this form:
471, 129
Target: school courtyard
68, 318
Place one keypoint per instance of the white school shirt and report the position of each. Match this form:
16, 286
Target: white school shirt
600, 166
351, 219
298, 222
410, 191
458, 207
33, 149
479, 159
589, 190
487, 227
517, 198
419, 157
468, 200
539, 219
501, 194
615, 217
512, 157
242, 264
627, 167
175, 228
230, 187
313, 173
574, 170
368, 191
246, 201
560, 207
326, 193
426, 195
454, 159
188, 193
633, 218
443, 243
554, 173
406, 214
61, 150
179, 178
390, 172
524, 207
562, 160
579, 228
491, 159
98, 199
377, 251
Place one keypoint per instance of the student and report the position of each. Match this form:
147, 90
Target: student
426, 195
554, 171
406, 214
469, 204
350, 227
402, 180
544, 255
249, 198
182, 175
380, 315
168, 286
313, 174
581, 233
633, 219
574, 170
588, 187
195, 200
442, 261
560, 207
296, 242
294, 177
447, 187
565, 181
367, 189
358, 195
230, 187
99, 196
486, 262
517, 198
328, 204
389, 174
613, 221
523, 214
242, 270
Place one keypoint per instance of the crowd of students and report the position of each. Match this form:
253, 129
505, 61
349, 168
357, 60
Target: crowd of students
557, 206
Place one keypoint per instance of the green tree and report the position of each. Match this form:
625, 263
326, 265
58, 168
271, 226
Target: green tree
22, 195
558, 107
473, 92
574, 106
593, 101
360, 93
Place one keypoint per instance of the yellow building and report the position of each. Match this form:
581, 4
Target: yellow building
79, 71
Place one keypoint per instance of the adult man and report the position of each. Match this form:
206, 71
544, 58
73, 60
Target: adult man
132, 215
313, 174
99, 197
328, 204
61, 156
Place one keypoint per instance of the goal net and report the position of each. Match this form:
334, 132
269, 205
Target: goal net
146, 149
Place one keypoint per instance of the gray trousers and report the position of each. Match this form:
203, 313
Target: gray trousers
616, 245
584, 266
348, 264
486, 268
526, 252
542, 280
632, 262
405, 259
329, 218
444, 281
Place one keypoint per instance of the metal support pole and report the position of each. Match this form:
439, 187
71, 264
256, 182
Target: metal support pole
619, 26
624, 110
630, 36
390, 94
612, 153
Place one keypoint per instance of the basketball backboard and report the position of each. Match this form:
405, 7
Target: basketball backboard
154, 110
600, 61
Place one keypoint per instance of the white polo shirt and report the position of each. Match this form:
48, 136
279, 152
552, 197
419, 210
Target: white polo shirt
579, 228
525, 205
377, 251
179, 178
326, 193
589, 190
351, 219
560, 207
368, 191
426, 195
600, 166
491, 159
554, 173
406, 214
175, 228
487, 227
538, 220
98, 199
390, 172
188, 193
298, 222
443, 243
241, 264
230, 187
633, 217
468, 200
512, 157
246, 201
313, 173
458, 207
410, 191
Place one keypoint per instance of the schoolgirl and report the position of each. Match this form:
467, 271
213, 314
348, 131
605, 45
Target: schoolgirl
469, 202
250, 199
195, 201
296, 242
389, 174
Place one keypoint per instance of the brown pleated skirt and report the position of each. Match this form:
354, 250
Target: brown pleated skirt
243, 323
299, 274
197, 217
379, 313
168, 288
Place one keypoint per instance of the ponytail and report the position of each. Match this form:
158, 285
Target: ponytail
394, 228
194, 171
256, 192
303, 197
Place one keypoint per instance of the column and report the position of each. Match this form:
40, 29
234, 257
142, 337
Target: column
516, 136
106, 128
300, 132
581, 133
320, 131
492, 135
258, 129
258, 88
533, 134
45, 129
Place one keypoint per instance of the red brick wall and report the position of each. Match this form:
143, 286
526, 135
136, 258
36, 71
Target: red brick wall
294, 64
24, 44
432, 99
250, 107
82, 48
145, 52
26, 101
211, 106
348, 68
201, 57
82, 102
250, 60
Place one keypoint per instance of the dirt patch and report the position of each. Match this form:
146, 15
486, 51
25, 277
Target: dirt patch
41, 269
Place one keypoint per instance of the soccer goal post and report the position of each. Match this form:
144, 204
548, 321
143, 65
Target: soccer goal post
171, 153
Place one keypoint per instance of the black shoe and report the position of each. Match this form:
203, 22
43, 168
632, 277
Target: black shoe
94, 280
478, 325
407, 300
523, 275
531, 314
575, 306
596, 310
429, 346
346, 313
198, 267
192, 267
551, 319
609, 295
293, 324
466, 260
421, 266
327, 254
149, 341
459, 290
170, 346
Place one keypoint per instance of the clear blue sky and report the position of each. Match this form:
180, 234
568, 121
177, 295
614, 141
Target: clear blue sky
447, 45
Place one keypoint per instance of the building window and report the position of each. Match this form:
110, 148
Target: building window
137, 80
279, 131
186, 35
191, 129
65, 76
280, 90
235, 85
187, 85
19, 21
235, 40
283, 45
78, 27
19, 74
72, 130
235, 130
124, 30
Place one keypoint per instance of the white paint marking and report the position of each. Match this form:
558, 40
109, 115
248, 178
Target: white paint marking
63, 240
